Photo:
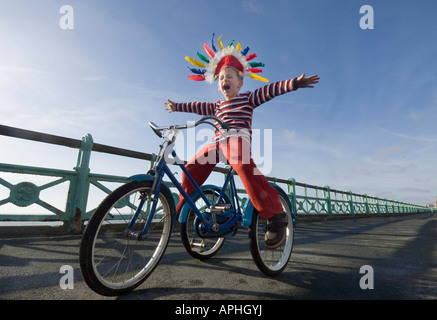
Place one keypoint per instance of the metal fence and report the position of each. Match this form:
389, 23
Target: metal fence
306, 199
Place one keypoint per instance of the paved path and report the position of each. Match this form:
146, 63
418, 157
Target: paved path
325, 264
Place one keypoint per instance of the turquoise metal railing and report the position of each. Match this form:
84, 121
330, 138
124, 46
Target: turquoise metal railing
306, 199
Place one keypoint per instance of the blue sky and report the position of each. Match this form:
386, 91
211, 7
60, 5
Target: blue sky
368, 126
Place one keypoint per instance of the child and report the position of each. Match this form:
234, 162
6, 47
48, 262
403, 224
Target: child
229, 66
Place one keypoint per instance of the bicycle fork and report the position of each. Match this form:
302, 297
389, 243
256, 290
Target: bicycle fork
150, 197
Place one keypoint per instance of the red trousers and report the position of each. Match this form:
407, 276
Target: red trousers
236, 151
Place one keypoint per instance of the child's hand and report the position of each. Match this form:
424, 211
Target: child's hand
303, 82
170, 106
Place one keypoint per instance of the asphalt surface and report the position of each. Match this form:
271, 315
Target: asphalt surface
325, 264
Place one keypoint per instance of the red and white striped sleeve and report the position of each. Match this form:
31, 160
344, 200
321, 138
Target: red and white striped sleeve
268, 92
201, 108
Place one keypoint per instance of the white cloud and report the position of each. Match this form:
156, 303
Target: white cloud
382, 154
291, 140
252, 6
418, 138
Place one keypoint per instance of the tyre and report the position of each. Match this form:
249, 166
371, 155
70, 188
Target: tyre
113, 262
271, 261
196, 246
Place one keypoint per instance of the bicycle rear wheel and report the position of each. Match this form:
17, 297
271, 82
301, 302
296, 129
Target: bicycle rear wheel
113, 262
271, 261
196, 246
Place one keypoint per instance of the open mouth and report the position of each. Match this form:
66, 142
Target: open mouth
226, 87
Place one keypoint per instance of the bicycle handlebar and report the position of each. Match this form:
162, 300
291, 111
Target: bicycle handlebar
158, 130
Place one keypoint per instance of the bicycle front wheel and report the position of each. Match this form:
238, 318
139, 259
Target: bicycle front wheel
114, 262
271, 261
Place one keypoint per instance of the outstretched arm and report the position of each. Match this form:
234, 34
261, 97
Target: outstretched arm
308, 82
201, 108
268, 92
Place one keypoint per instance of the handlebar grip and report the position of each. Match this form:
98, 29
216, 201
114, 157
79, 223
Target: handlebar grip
155, 129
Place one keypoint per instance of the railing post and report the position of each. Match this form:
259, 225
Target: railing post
291, 188
327, 194
366, 203
79, 188
351, 201
152, 160
378, 209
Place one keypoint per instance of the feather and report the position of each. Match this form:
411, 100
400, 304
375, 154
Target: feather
253, 70
197, 77
257, 77
208, 50
245, 51
202, 57
256, 64
195, 62
238, 46
220, 42
212, 43
251, 56
197, 71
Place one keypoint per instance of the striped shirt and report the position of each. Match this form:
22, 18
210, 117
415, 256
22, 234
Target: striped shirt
237, 112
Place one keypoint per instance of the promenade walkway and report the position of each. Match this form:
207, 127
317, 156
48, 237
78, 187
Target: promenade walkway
325, 264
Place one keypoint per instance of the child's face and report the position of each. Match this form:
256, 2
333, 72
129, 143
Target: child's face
229, 83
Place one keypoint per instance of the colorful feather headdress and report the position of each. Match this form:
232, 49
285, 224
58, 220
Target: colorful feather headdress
226, 56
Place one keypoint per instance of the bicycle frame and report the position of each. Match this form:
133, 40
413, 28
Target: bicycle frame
161, 168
